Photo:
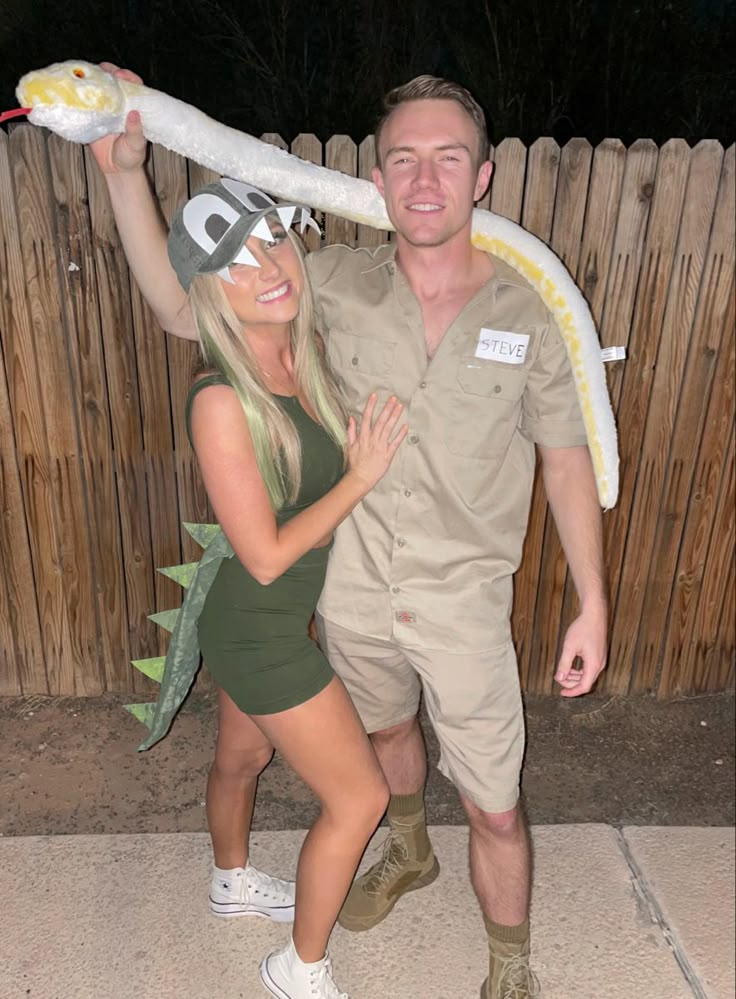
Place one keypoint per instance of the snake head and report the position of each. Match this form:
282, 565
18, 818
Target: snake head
75, 99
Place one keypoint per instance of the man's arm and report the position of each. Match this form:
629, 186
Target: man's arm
569, 481
139, 222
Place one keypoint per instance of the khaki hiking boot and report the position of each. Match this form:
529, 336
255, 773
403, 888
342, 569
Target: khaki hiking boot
374, 894
510, 975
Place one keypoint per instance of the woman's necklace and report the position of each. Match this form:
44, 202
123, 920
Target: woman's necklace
278, 385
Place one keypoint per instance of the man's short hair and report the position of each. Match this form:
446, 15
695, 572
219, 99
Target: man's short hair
433, 88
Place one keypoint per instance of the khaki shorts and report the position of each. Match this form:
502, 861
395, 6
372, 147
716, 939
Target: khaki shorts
473, 702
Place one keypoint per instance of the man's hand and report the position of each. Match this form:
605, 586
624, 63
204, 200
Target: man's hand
586, 640
125, 152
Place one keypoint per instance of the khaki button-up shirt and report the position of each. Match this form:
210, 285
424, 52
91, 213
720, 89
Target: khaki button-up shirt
427, 559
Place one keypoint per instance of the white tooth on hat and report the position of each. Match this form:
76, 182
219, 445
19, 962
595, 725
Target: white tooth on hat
244, 256
286, 215
306, 220
225, 275
263, 230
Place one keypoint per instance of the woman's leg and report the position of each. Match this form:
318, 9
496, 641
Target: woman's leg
325, 743
242, 753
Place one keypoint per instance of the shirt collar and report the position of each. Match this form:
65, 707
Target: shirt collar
385, 256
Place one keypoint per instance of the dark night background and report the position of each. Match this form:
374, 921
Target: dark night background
595, 68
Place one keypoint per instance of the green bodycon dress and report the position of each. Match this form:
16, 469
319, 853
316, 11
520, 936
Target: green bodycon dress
254, 638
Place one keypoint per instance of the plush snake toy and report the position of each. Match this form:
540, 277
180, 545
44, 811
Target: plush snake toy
81, 102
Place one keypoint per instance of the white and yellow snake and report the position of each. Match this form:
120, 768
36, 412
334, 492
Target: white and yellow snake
81, 102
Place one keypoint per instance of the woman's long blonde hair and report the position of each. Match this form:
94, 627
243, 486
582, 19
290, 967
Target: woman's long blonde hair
276, 442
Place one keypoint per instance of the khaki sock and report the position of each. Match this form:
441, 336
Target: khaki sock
406, 815
507, 934
402, 806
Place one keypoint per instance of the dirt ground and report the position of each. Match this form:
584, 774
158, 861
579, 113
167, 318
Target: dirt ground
70, 766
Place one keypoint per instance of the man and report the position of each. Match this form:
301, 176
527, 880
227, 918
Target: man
418, 594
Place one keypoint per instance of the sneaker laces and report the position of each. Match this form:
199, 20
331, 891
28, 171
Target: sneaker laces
322, 984
517, 980
395, 855
258, 884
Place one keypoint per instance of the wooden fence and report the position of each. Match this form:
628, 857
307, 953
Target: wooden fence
96, 473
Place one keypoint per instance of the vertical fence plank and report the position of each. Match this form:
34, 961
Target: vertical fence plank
631, 231
22, 655
538, 213
12, 547
21, 652
651, 298
367, 235
720, 671
308, 147
341, 154
543, 164
707, 640
507, 187
694, 638
643, 564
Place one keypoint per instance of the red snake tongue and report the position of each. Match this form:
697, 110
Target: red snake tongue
4, 115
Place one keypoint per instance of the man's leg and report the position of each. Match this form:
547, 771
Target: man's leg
385, 689
403, 756
408, 861
474, 704
501, 874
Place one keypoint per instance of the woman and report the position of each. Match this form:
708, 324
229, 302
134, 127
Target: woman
268, 429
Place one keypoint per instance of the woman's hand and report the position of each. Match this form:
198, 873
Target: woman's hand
371, 448
124, 152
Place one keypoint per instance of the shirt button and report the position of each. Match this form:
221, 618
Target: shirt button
407, 492
496, 388
396, 589
401, 542
413, 438
422, 384
354, 360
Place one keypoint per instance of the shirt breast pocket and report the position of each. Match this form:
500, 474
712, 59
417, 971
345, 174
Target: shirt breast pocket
362, 364
485, 407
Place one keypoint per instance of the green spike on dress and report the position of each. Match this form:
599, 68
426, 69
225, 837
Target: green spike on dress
254, 638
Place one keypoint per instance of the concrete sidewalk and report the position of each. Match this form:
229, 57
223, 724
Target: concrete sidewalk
645, 913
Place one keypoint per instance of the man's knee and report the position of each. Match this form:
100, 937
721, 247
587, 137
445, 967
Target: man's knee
396, 733
507, 825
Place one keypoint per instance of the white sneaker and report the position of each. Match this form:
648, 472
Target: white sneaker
249, 892
286, 976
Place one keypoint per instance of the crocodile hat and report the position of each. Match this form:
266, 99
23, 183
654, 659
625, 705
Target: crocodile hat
209, 231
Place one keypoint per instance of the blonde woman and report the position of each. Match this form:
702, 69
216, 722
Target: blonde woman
281, 471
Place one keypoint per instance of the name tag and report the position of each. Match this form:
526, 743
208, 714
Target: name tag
499, 345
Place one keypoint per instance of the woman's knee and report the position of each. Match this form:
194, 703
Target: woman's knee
241, 764
362, 806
